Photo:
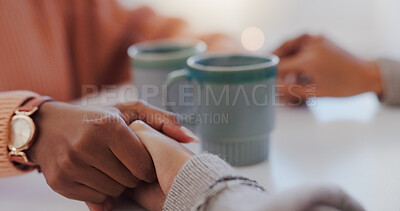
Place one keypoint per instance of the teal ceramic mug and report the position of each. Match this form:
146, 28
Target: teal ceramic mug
234, 98
153, 60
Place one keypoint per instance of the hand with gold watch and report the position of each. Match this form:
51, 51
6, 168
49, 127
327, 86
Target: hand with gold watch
88, 153
23, 131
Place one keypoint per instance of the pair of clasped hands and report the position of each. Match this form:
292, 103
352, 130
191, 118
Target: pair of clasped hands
94, 154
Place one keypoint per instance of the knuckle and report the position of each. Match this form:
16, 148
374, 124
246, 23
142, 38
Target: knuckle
65, 163
79, 146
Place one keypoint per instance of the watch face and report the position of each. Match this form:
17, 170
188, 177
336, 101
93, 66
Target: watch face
21, 133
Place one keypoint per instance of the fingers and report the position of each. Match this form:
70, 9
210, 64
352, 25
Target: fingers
291, 47
292, 60
84, 193
111, 166
100, 182
160, 120
294, 64
292, 93
133, 154
154, 140
148, 196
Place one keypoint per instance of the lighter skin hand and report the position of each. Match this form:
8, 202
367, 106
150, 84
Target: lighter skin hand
168, 156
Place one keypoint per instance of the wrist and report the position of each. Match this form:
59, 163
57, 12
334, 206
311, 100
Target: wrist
34, 151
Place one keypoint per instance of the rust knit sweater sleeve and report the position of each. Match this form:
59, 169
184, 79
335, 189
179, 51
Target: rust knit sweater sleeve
53, 48
9, 101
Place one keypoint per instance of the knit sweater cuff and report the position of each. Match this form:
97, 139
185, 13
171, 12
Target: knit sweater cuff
9, 102
196, 176
390, 71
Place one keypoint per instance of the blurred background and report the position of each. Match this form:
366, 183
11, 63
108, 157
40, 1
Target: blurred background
365, 27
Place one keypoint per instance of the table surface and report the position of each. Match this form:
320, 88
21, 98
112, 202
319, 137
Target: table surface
352, 142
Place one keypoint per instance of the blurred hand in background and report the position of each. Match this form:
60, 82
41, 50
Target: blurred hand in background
313, 66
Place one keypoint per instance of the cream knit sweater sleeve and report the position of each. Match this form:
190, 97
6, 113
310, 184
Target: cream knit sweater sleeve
390, 72
9, 101
196, 177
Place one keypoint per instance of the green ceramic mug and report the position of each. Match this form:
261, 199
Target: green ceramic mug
234, 98
153, 60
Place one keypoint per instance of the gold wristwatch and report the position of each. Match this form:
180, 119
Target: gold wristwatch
23, 130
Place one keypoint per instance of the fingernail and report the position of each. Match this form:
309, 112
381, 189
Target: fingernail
190, 134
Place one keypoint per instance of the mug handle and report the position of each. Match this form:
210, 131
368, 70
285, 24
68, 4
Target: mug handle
173, 77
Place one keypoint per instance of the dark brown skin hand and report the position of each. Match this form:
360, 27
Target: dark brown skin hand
91, 154
313, 66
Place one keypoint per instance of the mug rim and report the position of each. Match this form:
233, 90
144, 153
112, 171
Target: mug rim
195, 46
192, 62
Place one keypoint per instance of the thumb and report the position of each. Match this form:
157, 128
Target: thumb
168, 155
160, 120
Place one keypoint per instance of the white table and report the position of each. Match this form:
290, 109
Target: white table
351, 142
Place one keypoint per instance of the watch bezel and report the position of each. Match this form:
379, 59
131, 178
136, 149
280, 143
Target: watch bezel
31, 135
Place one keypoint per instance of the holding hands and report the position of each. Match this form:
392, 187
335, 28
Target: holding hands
90, 153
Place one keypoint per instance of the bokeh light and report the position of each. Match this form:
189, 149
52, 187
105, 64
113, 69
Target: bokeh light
253, 38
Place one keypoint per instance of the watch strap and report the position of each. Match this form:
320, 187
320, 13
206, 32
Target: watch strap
22, 160
32, 105
29, 107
